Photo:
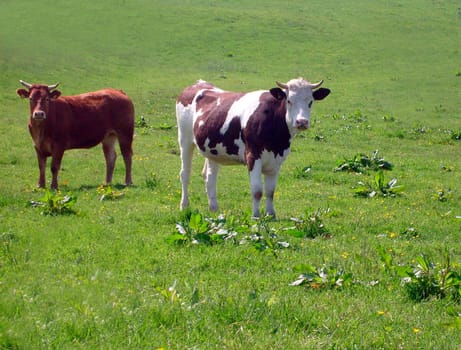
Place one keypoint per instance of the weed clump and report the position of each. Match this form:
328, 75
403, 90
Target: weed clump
378, 187
194, 228
322, 277
426, 279
55, 203
361, 163
310, 225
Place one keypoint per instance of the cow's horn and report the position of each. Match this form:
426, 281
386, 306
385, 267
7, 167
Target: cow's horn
27, 85
282, 85
52, 87
316, 85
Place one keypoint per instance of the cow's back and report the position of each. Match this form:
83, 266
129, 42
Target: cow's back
84, 120
188, 95
107, 105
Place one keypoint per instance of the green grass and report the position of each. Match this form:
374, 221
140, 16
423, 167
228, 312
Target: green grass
106, 277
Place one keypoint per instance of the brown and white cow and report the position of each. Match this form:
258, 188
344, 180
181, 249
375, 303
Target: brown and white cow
58, 123
253, 128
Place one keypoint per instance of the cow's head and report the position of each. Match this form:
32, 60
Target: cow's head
299, 96
39, 97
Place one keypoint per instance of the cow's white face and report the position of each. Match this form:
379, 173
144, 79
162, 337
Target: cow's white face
300, 96
299, 103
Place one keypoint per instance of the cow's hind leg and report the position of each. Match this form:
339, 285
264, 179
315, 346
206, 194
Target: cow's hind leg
211, 169
187, 151
108, 146
184, 117
205, 169
127, 153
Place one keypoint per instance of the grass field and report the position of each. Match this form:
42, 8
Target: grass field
110, 276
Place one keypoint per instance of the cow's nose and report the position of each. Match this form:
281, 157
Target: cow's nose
39, 115
302, 123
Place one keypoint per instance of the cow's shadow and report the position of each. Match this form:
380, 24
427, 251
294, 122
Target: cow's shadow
90, 187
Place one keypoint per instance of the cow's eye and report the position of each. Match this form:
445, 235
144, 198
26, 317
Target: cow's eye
289, 102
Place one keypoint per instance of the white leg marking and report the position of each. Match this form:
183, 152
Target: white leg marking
210, 183
205, 169
186, 164
270, 181
256, 186
186, 145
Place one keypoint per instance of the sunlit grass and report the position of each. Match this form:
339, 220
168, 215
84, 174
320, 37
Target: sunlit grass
108, 276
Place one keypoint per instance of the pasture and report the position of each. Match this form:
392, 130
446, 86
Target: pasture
113, 274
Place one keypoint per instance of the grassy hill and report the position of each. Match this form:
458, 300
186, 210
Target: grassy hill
109, 276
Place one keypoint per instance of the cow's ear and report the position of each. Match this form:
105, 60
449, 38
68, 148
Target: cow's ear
321, 93
55, 94
22, 93
278, 93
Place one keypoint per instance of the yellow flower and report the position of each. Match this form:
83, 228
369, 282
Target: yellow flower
416, 330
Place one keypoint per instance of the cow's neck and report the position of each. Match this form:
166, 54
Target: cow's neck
289, 123
38, 131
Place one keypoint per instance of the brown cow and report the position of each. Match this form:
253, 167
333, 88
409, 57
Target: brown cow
58, 123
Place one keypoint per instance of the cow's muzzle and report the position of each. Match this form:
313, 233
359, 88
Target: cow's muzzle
39, 115
302, 124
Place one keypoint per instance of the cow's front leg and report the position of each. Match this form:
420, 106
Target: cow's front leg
55, 166
42, 168
211, 176
270, 182
256, 187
